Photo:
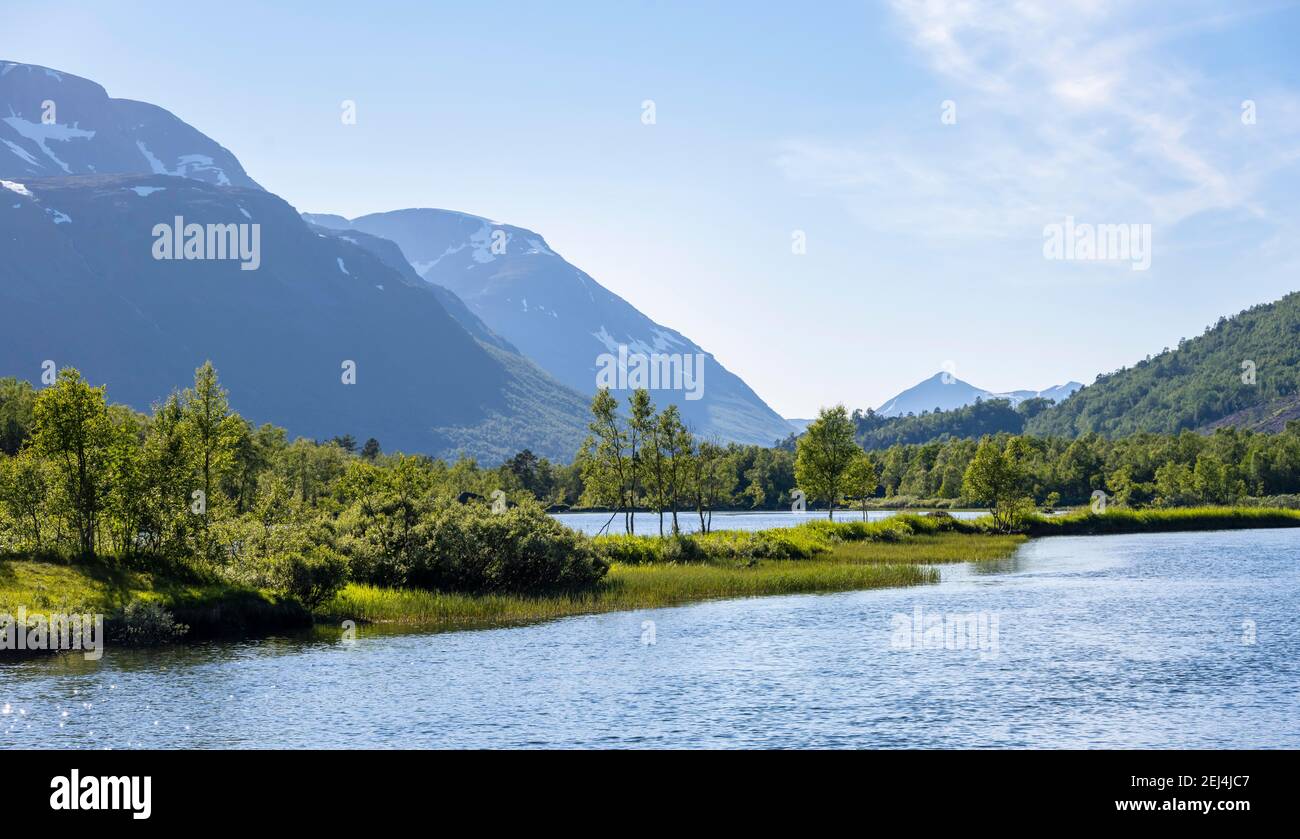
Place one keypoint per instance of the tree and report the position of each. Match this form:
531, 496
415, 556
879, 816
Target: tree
16, 401
640, 430
168, 468
70, 427
712, 479
995, 478
371, 449
213, 430
676, 444
823, 455
862, 478
605, 463
23, 493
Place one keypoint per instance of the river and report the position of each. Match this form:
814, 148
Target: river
689, 521
1166, 640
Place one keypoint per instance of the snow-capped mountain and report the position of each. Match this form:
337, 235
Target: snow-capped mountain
560, 317
54, 124
946, 392
88, 280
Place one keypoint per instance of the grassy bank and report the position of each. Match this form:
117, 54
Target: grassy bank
208, 609
1087, 523
870, 557
645, 572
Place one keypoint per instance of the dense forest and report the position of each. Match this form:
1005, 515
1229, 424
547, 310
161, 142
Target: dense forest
196, 490
1250, 360
993, 416
242, 463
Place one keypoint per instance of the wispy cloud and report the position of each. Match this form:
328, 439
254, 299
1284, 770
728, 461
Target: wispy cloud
1078, 107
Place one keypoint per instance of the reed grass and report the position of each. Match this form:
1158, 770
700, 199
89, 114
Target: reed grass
1088, 523
849, 566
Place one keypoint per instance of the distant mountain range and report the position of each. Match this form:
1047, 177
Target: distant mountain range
468, 336
85, 282
559, 316
946, 392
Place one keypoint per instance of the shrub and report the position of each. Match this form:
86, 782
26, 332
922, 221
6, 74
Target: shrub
146, 622
469, 548
630, 550
681, 548
312, 577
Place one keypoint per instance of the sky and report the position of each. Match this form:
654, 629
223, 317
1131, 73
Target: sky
919, 150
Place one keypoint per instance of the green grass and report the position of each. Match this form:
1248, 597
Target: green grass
209, 609
1087, 523
848, 566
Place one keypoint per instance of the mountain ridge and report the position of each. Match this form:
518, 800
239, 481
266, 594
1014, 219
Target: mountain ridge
560, 316
91, 279
946, 392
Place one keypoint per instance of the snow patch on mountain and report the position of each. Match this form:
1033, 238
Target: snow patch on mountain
41, 133
188, 165
21, 152
13, 186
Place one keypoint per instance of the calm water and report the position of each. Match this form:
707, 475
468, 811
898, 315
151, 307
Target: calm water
648, 523
1119, 641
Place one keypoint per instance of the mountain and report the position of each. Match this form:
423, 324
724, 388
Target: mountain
1243, 371
946, 392
391, 255
560, 317
86, 280
54, 124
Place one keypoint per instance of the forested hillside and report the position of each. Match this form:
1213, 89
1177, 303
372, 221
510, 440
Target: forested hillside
1250, 361
993, 416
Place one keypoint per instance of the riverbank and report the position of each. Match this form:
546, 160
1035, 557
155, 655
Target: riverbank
208, 610
1087, 523
848, 566
645, 572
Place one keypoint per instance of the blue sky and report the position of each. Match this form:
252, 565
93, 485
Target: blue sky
924, 239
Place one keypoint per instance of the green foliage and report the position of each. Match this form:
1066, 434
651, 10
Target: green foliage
520, 550
997, 478
1194, 385
311, 577
824, 454
984, 417
17, 398
147, 622
805, 541
1088, 523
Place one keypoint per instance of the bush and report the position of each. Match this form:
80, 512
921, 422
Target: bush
469, 548
146, 622
630, 550
312, 577
681, 548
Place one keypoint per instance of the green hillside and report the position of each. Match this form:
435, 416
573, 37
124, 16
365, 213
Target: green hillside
1196, 385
